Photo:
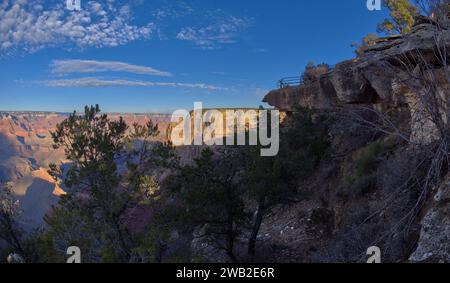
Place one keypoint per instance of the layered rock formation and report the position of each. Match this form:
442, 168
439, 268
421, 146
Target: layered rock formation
382, 78
366, 80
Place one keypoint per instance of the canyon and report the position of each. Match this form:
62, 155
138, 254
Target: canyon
354, 198
27, 150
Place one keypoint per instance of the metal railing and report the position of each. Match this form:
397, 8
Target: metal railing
290, 81
297, 81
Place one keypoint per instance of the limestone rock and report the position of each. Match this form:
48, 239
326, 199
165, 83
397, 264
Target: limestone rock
363, 80
434, 241
378, 78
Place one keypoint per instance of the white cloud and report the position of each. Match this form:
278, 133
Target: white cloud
63, 67
173, 9
30, 25
95, 82
223, 29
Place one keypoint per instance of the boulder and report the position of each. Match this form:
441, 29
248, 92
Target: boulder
434, 241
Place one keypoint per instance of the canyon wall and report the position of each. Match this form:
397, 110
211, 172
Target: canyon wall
382, 78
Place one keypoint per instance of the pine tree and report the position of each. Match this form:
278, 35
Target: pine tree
402, 14
109, 173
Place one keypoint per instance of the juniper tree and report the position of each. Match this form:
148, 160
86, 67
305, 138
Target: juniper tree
211, 197
108, 174
402, 14
272, 181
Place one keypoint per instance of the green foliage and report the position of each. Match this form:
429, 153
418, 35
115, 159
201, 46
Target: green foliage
151, 244
222, 195
402, 18
223, 188
29, 245
71, 224
313, 72
402, 14
10, 231
211, 197
45, 249
366, 42
302, 145
367, 160
305, 140
272, 181
111, 173
91, 142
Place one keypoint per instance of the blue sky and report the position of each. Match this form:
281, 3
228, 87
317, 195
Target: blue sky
162, 55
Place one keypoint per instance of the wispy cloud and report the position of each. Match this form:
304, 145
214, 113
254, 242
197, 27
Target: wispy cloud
64, 67
222, 29
173, 9
96, 82
27, 26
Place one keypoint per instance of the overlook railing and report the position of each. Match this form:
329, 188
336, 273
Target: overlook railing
290, 81
297, 81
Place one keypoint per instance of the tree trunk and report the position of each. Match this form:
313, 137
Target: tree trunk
230, 249
230, 240
125, 253
255, 230
13, 234
160, 249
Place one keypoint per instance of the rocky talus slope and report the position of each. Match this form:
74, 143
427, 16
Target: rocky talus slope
344, 216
